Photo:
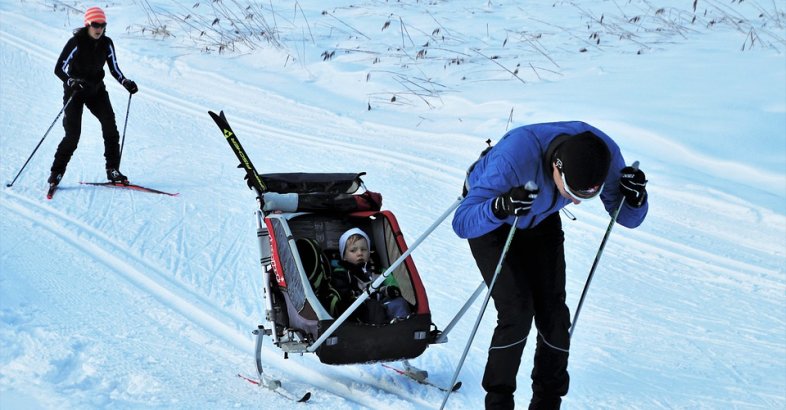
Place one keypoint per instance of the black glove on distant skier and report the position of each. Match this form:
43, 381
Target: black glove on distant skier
76, 84
517, 201
633, 185
130, 86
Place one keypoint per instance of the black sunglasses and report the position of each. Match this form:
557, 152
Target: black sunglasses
97, 25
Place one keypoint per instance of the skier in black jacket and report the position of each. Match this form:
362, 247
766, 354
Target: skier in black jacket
81, 67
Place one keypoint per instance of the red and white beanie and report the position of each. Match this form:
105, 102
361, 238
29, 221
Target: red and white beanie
94, 15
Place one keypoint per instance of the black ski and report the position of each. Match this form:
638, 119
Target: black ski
421, 378
275, 386
130, 186
253, 179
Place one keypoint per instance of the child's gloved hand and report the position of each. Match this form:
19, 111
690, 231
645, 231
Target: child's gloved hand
390, 291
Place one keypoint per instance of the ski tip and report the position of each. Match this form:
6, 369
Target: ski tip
305, 397
248, 379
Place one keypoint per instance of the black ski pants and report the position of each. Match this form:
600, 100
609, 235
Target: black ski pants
97, 101
530, 285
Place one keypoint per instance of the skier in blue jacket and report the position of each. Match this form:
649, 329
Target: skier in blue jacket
568, 162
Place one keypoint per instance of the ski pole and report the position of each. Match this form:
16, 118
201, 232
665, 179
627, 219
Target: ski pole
42, 140
378, 282
123, 140
443, 337
482, 309
597, 259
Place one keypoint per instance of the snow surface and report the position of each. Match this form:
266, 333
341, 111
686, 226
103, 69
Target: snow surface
118, 299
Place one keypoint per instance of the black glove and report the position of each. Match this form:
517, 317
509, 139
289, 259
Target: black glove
390, 291
76, 84
633, 185
130, 86
358, 272
517, 201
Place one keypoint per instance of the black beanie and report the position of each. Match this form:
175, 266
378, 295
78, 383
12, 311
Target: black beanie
584, 160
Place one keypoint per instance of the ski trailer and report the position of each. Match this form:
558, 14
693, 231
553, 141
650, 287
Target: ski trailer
299, 219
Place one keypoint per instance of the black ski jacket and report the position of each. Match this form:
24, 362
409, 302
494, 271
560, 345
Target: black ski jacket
84, 58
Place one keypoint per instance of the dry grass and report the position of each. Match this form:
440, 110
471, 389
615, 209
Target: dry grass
426, 48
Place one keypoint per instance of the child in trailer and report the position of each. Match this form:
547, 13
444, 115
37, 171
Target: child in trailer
355, 272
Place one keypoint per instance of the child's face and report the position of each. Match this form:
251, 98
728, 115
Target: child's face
357, 251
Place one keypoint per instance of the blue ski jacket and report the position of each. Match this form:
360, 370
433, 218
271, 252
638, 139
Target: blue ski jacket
520, 156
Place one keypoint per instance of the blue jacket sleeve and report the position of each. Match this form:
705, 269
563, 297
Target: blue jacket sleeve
494, 175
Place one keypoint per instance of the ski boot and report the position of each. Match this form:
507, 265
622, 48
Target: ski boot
54, 178
114, 176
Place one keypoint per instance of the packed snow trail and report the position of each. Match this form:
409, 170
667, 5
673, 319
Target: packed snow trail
120, 298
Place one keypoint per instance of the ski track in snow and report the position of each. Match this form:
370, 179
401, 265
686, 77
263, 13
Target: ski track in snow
153, 282
247, 129
158, 286
177, 276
